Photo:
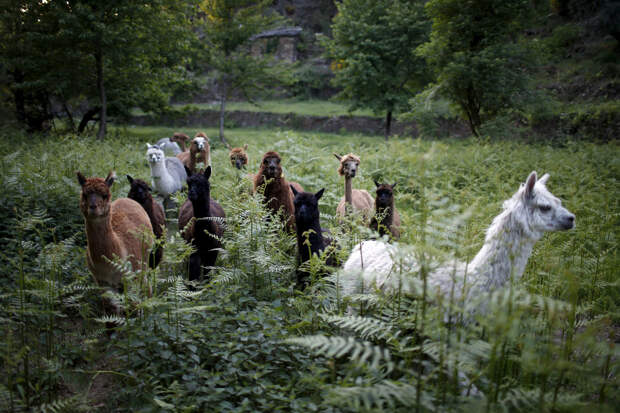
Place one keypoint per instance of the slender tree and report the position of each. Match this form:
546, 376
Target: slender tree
373, 53
228, 27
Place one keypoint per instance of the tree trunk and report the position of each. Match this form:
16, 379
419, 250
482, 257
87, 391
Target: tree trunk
388, 124
69, 115
222, 112
88, 116
102, 96
20, 101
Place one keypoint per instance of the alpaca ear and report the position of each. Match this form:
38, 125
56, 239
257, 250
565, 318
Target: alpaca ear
109, 180
319, 194
188, 172
81, 178
148, 146
228, 146
207, 172
377, 184
339, 157
245, 147
293, 189
543, 179
130, 179
529, 185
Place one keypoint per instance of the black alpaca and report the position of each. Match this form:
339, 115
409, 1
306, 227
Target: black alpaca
140, 192
307, 221
203, 233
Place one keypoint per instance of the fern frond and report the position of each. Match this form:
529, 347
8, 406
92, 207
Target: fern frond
382, 395
366, 327
112, 319
358, 352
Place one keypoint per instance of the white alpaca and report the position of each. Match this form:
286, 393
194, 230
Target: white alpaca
167, 174
168, 146
531, 212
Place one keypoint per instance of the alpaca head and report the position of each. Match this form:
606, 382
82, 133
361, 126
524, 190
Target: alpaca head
306, 206
538, 209
154, 154
348, 165
198, 186
95, 198
271, 165
139, 191
200, 142
385, 195
179, 138
238, 156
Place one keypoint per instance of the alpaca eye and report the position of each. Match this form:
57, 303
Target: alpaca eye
544, 208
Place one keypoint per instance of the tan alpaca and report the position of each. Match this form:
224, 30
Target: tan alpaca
199, 151
359, 200
181, 139
238, 156
113, 229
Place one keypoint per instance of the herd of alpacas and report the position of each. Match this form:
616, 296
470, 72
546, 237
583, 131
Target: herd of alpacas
130, 229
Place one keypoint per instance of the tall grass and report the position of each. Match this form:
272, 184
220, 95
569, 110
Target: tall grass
248, 341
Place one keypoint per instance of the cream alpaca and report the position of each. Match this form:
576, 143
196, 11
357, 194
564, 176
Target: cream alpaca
358, 199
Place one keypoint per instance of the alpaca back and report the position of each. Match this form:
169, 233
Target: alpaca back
169, 146
129, 220
361, 201
127, 238
186, 213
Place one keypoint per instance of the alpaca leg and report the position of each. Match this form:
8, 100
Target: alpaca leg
209, 261
194, 266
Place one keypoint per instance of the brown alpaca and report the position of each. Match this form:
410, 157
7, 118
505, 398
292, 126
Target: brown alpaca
238, 156
113, 229
140, 192
387, 218
357, 199
277, 193
181, 139
199, 151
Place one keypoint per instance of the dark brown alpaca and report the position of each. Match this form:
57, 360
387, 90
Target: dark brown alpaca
140, 192
387, 218
277, 193
200, 232
113, 229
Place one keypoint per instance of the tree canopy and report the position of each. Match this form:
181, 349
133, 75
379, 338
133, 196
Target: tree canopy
373, 53
91, 57
473, 50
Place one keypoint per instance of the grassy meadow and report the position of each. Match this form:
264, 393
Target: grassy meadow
300, 107
248, 341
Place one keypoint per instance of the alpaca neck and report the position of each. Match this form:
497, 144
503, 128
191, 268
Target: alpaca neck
504, 255
387, 213
202, 209
315, 237
102, 240
159, 169
348, 191
183, 146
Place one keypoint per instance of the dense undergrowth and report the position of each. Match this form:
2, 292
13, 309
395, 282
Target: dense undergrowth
248, 341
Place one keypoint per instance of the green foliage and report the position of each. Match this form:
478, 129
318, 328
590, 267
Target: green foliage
479, 65
546, 344
71, 54
372, 52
